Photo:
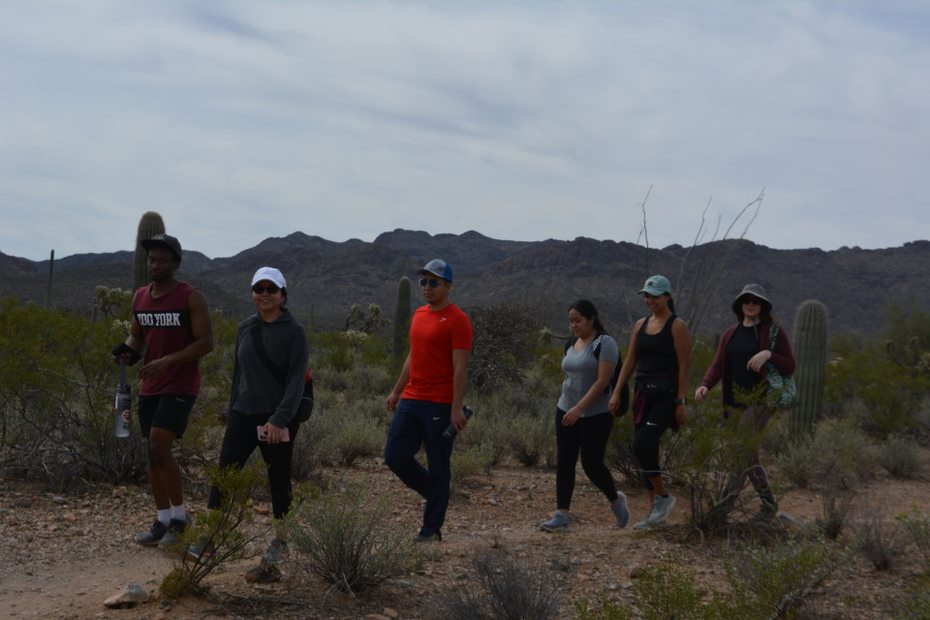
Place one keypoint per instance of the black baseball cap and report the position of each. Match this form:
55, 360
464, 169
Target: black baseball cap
162, 240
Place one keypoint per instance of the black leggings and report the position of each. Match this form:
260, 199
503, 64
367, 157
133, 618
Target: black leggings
240, 441
588, 436
658, 416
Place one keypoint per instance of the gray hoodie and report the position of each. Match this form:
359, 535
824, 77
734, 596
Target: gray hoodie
258, 389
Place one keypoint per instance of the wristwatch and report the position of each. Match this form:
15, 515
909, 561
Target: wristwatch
680, 401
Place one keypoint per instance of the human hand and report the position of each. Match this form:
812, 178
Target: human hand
613, 405
758, 361
458, 419
700, 393
572, 415
391, 403
155, 368
274, 434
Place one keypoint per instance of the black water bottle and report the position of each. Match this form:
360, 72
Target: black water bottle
450, 432
123, 405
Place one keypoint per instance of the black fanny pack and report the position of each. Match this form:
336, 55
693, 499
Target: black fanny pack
656, 386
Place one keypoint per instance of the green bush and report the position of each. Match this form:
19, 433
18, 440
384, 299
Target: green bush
348, 541
917, 525
838, 455
501, 588
878, 537
471, 461
607, 611
531, 439
900, 456
665, 591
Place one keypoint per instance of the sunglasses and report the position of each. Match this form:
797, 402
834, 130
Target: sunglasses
430, 283
752, 300
271, 289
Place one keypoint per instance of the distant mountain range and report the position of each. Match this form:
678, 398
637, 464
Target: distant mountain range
325, 278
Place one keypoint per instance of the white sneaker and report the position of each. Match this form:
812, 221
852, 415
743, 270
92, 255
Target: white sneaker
661, 509
559, 522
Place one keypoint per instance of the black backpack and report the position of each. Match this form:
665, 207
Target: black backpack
625, 390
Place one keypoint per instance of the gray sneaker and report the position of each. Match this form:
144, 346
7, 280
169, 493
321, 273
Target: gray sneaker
173, 531
559, 522
276, 553
153, 536
620, 510
661, 509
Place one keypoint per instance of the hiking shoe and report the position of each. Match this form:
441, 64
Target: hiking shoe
174, 529
263, 573
559, 522
661, 509
620, 510
153, 536
425, 537
276, 553
201, 552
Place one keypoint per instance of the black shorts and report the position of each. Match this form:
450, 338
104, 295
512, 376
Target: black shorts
167, 411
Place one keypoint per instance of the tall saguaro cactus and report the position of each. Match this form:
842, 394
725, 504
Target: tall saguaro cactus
402, 317
810, 345
150, 225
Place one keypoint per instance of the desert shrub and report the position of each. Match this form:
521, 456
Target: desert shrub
836, 506
667, 591
219, 530
916, 604
531, 438
500, 588
917, 525
348, 429
839, 454
608, 610
900, 456
878, 537
347, 540
503, 346
471, 461
768, 582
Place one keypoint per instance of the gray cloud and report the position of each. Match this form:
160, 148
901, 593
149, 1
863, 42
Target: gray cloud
239, 121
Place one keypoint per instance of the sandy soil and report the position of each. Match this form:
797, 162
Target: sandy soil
64, 554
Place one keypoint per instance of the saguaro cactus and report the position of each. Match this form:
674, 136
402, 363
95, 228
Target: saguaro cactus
51, 273
810, 345
150, 225
402, 317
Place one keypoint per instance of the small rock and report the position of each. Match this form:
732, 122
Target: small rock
131, 596
391, 613
377, 617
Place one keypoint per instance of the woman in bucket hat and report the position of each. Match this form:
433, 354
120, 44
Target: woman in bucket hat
659, 351
740, 364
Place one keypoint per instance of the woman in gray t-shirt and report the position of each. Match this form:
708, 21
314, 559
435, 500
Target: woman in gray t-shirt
582, 419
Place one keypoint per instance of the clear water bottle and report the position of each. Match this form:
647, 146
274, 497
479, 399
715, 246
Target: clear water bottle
450, 432
123, 405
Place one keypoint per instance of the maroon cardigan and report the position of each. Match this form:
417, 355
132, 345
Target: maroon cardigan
782, 358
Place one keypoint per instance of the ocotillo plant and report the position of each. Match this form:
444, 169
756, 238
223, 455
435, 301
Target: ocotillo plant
51, 272
402, 317
810, 342
150, 225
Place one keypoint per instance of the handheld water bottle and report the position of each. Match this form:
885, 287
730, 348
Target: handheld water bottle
450, 432
123, 404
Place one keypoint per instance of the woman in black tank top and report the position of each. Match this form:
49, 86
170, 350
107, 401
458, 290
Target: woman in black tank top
659, 351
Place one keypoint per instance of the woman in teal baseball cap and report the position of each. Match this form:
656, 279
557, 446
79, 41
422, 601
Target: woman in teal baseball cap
659, 350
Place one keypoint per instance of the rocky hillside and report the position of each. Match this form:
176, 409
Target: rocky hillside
325, 278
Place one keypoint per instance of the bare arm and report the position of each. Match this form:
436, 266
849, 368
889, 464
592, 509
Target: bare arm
682, 339
460, 358
402, 380
626, 371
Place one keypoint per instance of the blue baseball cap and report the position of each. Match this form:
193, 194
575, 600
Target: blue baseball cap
656, 285
438, 268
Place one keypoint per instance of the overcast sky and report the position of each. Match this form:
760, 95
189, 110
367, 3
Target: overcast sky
239, 121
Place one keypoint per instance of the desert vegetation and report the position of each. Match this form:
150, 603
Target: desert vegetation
872, 422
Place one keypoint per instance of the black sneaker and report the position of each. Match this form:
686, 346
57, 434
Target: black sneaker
174, 529
426, 537
153, 536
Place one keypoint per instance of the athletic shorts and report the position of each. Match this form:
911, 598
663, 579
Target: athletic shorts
167, 411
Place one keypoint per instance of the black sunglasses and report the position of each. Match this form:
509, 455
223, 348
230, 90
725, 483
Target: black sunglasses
431, 283
752, 300
271, 289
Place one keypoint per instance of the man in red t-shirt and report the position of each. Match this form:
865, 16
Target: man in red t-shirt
429, 395
170, 321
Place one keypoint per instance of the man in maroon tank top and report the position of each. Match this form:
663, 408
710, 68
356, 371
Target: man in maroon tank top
170, 321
